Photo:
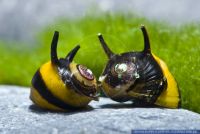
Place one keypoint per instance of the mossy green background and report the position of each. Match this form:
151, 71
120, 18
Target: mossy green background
178, 46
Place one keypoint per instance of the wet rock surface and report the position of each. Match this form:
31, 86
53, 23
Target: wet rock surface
19, 115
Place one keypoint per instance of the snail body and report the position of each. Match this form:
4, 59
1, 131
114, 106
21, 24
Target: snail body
61, 84
140, 77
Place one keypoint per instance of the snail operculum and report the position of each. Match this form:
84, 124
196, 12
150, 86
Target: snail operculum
120, 71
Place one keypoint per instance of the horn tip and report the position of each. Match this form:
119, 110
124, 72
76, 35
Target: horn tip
142, 26
56, 32
99, 35
78, 46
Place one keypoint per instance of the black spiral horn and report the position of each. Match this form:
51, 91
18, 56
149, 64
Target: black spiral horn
54, 57
72, 53
105, 46
147, 48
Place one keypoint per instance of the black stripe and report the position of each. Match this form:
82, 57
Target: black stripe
179, 93
83, 89
40, 86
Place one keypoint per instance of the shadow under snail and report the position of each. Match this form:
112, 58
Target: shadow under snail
140, 77
61, 84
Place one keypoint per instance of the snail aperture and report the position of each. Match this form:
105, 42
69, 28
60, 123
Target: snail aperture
139, 76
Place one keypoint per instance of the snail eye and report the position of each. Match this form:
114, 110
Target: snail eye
85, 72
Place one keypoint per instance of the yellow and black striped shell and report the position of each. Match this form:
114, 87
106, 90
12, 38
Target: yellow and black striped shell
138, 76
61, 84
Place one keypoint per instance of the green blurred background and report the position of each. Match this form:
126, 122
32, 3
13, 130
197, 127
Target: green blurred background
178, 46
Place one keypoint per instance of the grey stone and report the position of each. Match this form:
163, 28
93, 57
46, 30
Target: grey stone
19, 115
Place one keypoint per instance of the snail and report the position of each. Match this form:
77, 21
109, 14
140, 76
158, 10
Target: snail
141, 77
61, 84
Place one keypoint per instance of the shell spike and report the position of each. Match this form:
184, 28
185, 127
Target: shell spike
105, 46
147, 48
72, 53
54, 57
